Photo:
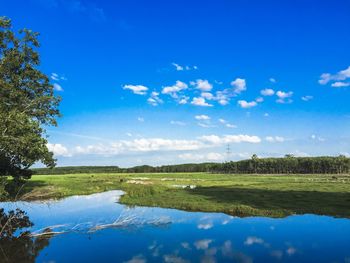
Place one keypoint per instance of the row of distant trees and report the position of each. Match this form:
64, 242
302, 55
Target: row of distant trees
287, 165
185, 168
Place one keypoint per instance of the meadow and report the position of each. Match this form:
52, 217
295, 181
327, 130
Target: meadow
234, 194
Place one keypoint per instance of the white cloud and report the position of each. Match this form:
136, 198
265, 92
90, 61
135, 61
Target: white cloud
200, 102
282, 101
154, 94
178, 67
317, 138
298, 153
185, 245
182, 68
202, 85
244, 104
202, 117
216, 140
346, 154
184, 100
58, 149
223, 97
180, 123
339, 76
205, 125
157, 145
173, 90
272, 80
136, 89
172, 258
140, 119
275, 139
154, 100
239, 85
325, 78
307, 98
291, 251
213, 156
57, 87
266, 114
55, 76
253, 240
137, 259
284, 97
205, 226
140, 145
207, 95
202, 244
340, 84
228, 125
267, 92
259, 99
223, 102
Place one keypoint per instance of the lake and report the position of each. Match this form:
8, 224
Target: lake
96, 228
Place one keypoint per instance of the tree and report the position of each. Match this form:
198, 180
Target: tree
288, 155
289, 164
255, 162
27, 103
255, 157
16, 243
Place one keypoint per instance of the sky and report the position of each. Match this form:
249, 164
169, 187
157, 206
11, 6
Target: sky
168, 82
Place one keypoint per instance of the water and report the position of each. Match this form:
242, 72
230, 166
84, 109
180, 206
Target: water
95, 228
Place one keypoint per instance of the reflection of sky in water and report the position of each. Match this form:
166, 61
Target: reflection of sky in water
191, 237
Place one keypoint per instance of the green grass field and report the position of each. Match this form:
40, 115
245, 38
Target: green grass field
239, 195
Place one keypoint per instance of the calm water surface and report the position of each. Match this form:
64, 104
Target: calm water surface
95, 228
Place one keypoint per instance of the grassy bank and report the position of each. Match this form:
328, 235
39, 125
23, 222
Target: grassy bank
242, 195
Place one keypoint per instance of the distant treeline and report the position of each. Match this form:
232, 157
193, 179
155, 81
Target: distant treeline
286, 165
185, 168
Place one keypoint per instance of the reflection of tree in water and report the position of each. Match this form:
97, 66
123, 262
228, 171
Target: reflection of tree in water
16, 245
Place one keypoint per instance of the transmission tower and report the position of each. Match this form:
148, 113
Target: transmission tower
228, 152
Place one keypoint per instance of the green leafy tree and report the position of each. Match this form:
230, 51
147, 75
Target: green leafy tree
16, 243
255, 157
288, 155
27, 103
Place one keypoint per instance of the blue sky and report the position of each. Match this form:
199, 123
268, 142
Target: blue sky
163, 82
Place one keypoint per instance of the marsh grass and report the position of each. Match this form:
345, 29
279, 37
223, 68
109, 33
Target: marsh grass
239, 195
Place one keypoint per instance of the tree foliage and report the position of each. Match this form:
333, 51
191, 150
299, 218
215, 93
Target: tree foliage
287, 165
27, 103
16, 244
